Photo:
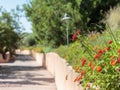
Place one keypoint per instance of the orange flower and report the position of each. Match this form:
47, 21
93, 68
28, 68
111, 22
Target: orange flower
79, 77
97, 56
76, 79
92, 67
99, 68
113, 62
110, 42
90, 64
77, 69
112, 57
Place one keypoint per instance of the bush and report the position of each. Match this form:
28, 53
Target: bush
38, 49
96, 58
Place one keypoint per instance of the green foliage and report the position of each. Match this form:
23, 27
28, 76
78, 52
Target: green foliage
8, 37
27, 40
46, 20
38, 49
26, 48
96, 58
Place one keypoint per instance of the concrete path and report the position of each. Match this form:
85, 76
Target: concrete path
25, 74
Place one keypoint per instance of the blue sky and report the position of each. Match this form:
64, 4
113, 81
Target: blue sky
11, 4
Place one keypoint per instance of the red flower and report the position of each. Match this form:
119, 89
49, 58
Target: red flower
83, 61
100, 51
108, 48
110, 42
74, 37
119, 51
118, 60
98, 55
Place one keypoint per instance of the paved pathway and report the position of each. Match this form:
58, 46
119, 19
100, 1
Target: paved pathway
25, 74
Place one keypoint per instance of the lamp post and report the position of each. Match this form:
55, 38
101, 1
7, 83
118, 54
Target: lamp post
66, 18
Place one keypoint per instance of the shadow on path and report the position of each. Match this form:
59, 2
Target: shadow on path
24, 71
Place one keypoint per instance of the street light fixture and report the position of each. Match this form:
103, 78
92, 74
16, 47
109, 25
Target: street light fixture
66, 18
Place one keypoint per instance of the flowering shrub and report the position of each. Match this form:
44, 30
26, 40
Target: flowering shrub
96, 58
100, 66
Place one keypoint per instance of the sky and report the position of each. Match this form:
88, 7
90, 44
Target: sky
11, 4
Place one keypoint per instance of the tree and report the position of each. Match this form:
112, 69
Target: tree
46, 15
46, 20
8, 37
27, 39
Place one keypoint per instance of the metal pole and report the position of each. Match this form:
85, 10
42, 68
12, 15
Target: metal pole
67, 34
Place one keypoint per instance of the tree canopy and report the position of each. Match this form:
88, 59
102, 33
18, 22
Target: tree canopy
8, 37
46, 16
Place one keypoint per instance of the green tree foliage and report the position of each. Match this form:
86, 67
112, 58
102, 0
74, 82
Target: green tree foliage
8, 37
46, 15
27, 40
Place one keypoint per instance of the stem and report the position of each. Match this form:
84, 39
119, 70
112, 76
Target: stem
110, 31
86, 48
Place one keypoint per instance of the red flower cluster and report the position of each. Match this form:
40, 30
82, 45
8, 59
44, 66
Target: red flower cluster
74, 37
83, 61
98, 55
110, 42
119, 52
118, 60
100, 52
